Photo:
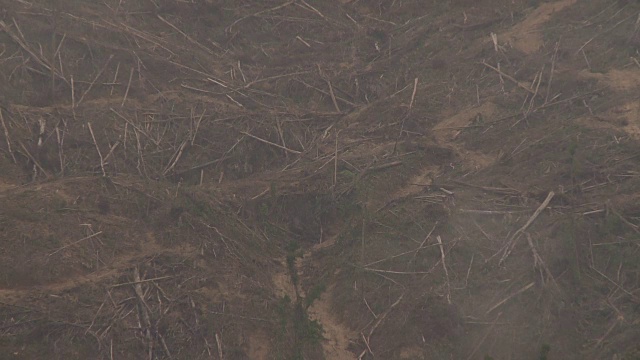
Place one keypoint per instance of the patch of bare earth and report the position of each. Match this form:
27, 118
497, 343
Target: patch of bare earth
447, 131
526, 36
337, 336
625, 116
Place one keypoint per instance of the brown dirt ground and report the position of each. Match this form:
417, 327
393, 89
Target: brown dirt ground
319, 180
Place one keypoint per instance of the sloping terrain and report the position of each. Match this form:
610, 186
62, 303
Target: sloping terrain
302, 179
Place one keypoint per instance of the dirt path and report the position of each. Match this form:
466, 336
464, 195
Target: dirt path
122, 264
337, 336
282, 281
4, 186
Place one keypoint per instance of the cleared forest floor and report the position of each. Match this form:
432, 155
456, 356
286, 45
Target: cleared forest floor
320, 179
